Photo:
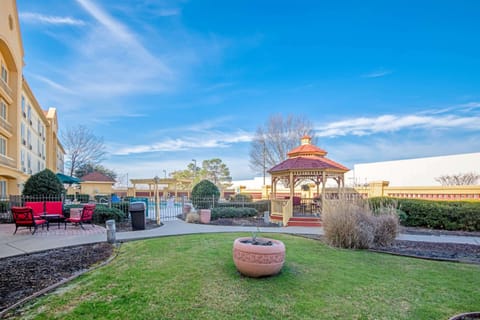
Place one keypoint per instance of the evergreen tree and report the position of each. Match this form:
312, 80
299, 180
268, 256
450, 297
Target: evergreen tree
43, 183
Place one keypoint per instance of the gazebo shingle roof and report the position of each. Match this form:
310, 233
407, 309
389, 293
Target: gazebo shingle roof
307, 162
309, 157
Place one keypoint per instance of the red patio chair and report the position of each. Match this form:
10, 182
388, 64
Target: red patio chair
23, 217
86, 216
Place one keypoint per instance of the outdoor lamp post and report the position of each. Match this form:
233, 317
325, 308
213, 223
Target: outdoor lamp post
156, 179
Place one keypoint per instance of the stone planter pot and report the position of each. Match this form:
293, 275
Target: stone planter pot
258, 260
205, 215
466, 316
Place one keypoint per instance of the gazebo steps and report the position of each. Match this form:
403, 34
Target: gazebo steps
304, 222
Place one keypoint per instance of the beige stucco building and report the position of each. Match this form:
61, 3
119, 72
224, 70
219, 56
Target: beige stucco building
28, 134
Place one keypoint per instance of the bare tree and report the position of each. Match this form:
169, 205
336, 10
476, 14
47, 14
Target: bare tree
459, 179
82, 148
277, 137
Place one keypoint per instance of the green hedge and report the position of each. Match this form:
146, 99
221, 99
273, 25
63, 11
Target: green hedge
218, 213
4, 206
103, 213
122, 206
444, 215
83, 198
260, 206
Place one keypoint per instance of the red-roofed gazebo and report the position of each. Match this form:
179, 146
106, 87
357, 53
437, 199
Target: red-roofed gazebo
305, 163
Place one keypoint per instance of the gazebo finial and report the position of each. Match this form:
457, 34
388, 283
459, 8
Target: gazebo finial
306, 139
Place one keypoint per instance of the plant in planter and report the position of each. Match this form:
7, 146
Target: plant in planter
258, 257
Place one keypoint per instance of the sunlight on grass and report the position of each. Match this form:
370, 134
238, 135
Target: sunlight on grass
193, 277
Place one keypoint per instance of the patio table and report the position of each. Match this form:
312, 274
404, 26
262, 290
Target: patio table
52, 217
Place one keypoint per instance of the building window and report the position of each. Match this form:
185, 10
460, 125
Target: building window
3, 146
29, 138
3, 189
4, 74
3, 109
29, 163
22, 160
23, 105
29, 112
22, 133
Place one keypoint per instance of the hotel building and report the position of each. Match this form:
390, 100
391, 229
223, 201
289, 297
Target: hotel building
29, 139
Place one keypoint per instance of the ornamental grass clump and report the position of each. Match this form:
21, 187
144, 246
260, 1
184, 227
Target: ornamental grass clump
353, 225
192, 217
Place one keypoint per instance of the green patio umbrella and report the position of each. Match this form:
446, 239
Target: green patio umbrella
67, 179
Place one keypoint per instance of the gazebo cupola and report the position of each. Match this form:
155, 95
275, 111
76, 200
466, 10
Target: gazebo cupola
306, 149
306, 162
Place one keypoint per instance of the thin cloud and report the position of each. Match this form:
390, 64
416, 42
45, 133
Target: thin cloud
188, 143
32, 17
377, 74
169, 12
391, 123
53, 84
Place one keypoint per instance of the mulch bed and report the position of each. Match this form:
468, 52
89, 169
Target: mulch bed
22, 276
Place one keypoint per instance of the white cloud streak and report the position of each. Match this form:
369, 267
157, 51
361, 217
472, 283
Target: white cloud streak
214, 140
32, 17
53, 84
377, 74
391, 123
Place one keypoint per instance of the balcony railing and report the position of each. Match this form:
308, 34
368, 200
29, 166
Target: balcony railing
7, 161
6, 88
5, 125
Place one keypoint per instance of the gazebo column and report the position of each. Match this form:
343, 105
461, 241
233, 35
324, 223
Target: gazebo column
292, 191
272, 187
324, 177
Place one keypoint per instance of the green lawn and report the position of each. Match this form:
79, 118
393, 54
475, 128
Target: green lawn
193, 277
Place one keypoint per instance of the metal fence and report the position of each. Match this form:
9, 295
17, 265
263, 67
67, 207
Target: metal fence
169, 208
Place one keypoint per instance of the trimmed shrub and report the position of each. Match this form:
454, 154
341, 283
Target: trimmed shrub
82, 198
458, 215
43, 183
241, 197
122, 206
192, 217
260, 205
205, 195
104, 213
231, 212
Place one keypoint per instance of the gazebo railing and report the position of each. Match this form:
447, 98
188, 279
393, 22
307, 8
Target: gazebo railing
283, 208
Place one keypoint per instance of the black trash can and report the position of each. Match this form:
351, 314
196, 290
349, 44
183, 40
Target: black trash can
137, 213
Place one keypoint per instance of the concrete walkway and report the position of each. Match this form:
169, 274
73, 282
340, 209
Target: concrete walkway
25, 242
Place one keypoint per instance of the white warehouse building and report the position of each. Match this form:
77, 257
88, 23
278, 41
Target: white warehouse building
413, 172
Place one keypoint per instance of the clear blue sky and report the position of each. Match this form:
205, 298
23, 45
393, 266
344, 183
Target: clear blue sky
165, 82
